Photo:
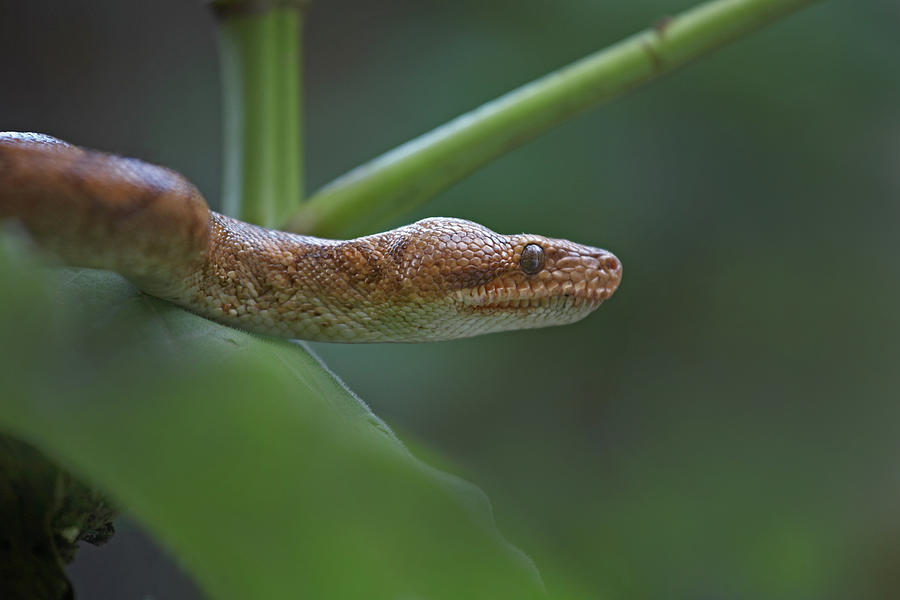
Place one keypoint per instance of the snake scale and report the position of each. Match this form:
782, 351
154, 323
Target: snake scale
436, 279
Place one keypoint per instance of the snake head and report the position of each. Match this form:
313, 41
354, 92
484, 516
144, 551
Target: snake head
550, 280
500, 282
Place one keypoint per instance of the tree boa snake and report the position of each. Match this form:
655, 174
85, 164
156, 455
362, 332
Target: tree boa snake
436, 279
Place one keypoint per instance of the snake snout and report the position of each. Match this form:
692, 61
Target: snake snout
609, 269
584, 274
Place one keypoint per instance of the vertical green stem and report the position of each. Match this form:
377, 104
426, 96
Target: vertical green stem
260, 45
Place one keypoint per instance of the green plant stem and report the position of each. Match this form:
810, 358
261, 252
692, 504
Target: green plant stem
372, 194
260, 45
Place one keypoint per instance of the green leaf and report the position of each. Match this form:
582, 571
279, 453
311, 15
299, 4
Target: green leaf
243, 455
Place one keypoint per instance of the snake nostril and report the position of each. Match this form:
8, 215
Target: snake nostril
612, 263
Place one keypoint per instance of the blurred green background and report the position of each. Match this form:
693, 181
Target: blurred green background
726, 426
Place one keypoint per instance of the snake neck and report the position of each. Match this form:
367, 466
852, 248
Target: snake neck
305, 287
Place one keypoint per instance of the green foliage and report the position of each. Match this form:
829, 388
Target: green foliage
244, 455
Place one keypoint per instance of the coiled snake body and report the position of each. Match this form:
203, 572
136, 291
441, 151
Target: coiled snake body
436, 279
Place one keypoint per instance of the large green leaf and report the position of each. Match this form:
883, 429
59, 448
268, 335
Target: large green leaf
243, 455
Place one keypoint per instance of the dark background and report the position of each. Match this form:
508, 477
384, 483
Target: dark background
727, 425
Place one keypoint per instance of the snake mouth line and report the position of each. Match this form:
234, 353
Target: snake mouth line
524, 303
590, 299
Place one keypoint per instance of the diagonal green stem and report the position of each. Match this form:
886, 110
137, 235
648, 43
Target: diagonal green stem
411, 174
260, 49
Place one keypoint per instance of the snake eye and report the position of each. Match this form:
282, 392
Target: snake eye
532, 259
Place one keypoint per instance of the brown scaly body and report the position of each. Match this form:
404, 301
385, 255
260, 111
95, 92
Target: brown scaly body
436, 279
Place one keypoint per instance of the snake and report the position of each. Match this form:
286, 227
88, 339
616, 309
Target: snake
437, 279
